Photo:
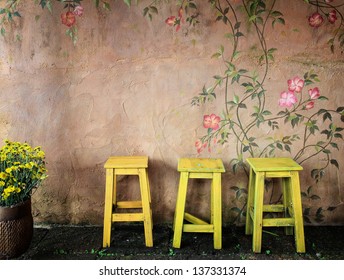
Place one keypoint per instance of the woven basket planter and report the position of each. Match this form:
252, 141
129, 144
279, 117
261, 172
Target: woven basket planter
16, 229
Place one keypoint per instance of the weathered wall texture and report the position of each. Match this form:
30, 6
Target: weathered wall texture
126, 89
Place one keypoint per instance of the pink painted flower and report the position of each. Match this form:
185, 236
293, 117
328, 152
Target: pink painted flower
287, 99
332, 16
315, 20
78, 11
295, 84
200, 146
314, 93
68, 19
180, 12
180, 15
211, 121
176, 21
309, 105
173, 21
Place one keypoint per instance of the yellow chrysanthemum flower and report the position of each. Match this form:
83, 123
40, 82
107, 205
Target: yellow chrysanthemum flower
21, 167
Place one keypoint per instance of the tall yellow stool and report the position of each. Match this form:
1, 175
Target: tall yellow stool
127, 165
202, 169
288, 170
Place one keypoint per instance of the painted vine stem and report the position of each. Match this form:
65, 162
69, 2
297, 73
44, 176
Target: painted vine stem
298, 111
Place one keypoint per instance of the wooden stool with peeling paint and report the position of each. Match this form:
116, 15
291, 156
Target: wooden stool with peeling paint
127, 165
288, 170
197, 168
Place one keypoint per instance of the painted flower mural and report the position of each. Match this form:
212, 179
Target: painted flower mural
315, 20
68, 18
78, 10
200, 146
211, 121
175, 20
332, 16
187, 13
287, 99
296, 84
10, 11
314, 93
309, 105
298, 103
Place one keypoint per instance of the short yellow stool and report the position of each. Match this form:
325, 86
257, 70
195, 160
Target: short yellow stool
202, 169
288, 170
127, 165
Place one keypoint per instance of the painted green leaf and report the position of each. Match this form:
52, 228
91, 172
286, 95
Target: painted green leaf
315, 197
276, 14
235, 209
128, 2
335, 163
236, 99
237, 25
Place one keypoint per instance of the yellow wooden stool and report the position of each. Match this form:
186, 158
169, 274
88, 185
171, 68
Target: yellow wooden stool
127, 165
288, 170
202, 169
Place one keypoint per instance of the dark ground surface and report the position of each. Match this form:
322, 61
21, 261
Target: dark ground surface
127, 243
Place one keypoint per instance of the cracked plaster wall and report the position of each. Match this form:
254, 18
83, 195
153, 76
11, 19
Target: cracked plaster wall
125, 89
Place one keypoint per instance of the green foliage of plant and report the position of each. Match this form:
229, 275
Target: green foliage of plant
22, 169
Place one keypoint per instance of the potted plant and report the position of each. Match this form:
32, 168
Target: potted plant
22, 169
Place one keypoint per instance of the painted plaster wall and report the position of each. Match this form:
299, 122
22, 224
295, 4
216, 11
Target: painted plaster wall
126, 89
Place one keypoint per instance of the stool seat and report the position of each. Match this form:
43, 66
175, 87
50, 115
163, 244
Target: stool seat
273, 164
203, 165
127, 165
288, 170
127, 162
200, 168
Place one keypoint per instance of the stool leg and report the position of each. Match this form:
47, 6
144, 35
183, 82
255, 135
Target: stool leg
180, 209
250, 200
146, 209
114, 188
296, 198
109, 193
258, 212
150, 199
286, 186
216, 205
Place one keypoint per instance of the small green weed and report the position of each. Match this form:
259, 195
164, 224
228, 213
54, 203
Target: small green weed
171, 252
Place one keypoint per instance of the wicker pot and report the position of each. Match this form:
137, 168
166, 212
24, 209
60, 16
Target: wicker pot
16, 229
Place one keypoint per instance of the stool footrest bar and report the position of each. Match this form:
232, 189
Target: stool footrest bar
129, 204
198, 228
273, 208
127, 217
199, 175
278, 222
